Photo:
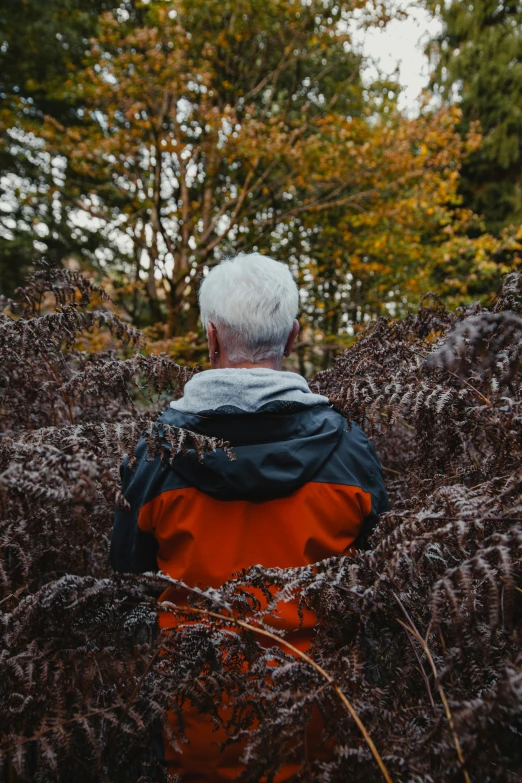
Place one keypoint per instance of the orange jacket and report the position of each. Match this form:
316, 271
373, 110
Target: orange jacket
302, 487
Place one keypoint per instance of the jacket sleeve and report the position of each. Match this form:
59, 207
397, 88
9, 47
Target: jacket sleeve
132, 550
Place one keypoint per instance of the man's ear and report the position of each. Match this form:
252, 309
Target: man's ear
213, 343
291, 338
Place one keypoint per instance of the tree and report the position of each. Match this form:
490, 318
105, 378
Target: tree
185, 154
200, 131
400, 227
39, 44
199, 123
478, 59
405, 232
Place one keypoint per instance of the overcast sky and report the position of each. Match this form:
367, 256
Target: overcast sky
401, 44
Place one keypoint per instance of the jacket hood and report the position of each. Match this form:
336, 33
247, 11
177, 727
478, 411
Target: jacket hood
276, 450
244, 390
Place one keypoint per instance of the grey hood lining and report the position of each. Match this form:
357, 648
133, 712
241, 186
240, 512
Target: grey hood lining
247, 390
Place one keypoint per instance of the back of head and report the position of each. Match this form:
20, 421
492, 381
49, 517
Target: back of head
252, 301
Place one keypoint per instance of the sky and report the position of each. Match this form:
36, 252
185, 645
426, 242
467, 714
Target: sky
400, 45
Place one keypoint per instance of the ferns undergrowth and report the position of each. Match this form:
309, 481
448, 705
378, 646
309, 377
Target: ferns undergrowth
420, 633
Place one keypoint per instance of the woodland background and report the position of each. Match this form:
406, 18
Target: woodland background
142, 143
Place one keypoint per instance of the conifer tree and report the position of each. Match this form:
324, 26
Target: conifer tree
478, 59
39, 44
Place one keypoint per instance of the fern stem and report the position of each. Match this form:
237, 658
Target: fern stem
411, 629
328, 677
469, 385
510, 584
391, 470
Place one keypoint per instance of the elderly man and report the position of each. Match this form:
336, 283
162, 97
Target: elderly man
303, 487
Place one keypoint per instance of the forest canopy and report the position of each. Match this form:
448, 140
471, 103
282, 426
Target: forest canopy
145, 141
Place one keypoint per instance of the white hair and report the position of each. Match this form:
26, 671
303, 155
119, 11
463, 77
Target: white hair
252, 301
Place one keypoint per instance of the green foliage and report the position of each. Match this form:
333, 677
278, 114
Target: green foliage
199, 123
157, 138
479, 59
40, 43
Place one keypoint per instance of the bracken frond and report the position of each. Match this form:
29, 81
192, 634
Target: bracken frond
420, 631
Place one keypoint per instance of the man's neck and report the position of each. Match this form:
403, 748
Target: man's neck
268, 365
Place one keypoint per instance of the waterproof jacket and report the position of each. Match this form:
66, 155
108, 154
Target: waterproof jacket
304, 486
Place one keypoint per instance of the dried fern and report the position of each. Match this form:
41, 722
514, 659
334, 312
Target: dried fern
421, 631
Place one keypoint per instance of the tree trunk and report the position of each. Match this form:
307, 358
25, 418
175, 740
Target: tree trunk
155, 309
182, 319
